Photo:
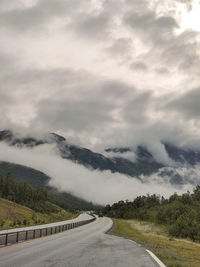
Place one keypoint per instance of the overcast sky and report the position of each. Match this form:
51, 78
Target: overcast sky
102, 72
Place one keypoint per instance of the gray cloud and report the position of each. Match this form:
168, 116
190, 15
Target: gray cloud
183, 51
25, 18
158, 27
88, 108
165, 45
120, 48
136, 109
99, 73
138, 65
7, 63
187, 104
91, 26
76, 115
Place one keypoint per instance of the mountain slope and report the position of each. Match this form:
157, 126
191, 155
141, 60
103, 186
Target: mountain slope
16, 215
39, 179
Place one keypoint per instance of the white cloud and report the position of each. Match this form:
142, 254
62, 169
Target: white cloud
99, 187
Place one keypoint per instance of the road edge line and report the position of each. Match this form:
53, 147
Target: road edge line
159, 262
110, 228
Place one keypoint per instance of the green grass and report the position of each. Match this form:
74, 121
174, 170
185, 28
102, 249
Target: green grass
13, 215
173, 252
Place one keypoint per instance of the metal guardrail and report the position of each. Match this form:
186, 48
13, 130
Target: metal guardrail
24, 235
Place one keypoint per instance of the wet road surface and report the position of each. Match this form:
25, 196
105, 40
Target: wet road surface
86, 246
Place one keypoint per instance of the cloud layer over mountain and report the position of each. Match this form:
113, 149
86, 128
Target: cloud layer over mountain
96, 186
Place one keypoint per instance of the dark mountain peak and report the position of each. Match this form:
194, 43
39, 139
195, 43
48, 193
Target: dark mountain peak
13, 139
143, 153
182, 155
118, 150
57, 138
6, 135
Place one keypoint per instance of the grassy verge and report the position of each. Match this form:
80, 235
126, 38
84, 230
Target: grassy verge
13, 215
173, 252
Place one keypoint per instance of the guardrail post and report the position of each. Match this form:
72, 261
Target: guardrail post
40, 232
17, 237
33, 234
46, 231
6, 240
26, 237
51, 230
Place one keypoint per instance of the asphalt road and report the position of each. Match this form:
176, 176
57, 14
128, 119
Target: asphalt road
85, 246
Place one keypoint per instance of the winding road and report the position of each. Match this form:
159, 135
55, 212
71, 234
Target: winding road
85, 246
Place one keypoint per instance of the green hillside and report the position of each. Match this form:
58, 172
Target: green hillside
13, 215
22, 204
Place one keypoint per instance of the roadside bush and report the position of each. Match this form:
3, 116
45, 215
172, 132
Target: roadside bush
181, 214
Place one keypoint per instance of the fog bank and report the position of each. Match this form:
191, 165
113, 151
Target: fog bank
98, 187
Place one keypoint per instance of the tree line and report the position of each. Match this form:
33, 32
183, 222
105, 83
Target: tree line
180, 214
35, 198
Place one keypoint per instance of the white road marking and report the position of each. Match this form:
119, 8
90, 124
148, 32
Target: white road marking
160, 263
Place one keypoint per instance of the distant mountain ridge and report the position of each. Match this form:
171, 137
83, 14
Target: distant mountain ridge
144, 164
85, 156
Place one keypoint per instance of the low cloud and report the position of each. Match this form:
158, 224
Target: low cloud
187, 104
99, 187
178, 176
